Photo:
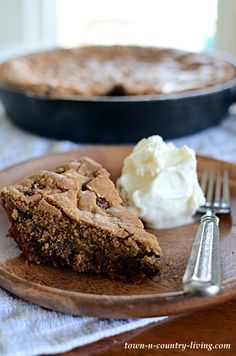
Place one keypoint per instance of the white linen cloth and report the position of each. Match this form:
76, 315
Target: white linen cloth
26, 329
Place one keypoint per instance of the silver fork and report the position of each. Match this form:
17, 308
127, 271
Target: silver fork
202, 275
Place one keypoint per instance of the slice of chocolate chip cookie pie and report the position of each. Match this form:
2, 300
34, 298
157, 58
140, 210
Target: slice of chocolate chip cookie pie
73, 216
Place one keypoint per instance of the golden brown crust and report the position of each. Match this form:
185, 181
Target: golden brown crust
113, 70
67, 215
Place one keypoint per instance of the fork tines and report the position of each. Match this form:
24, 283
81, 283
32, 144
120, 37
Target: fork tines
215, 186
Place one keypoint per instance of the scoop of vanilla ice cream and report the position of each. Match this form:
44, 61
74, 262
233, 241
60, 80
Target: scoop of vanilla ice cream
159, 183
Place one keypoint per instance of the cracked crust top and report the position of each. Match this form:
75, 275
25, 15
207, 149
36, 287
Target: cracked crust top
113, 71
83, 191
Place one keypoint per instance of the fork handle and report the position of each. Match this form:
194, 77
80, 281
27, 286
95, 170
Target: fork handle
202, 275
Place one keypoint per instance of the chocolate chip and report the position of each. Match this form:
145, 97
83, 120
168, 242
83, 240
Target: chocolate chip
127, 267
98, 256
65, 252
38, 229
23, 215
29, 192
131, 263
60, 170
41, 186
102, 203
117, 90
121, 267
149, 254
84, 187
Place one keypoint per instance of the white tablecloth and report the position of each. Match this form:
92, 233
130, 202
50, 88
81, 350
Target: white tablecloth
26, 329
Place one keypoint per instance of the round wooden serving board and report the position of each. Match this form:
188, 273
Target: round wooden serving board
67, 291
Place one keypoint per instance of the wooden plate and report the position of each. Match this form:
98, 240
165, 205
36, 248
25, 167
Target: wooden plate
71, 292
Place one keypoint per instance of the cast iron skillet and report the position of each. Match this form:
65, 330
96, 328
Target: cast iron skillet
119, 119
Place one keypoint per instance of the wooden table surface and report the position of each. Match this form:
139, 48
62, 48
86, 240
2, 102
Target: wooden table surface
216, 325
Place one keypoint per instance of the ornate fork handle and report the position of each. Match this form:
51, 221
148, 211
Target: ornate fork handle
202, 275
